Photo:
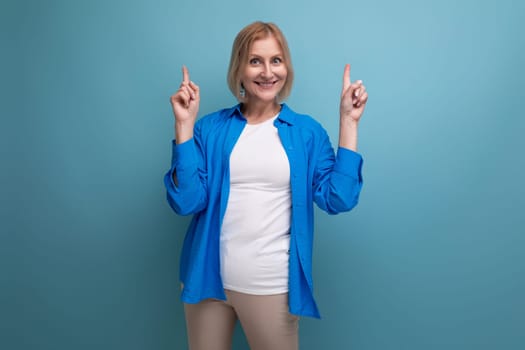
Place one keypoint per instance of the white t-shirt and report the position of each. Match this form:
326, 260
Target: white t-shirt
255, 236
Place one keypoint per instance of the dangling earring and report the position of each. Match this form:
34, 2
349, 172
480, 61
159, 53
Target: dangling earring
242, 91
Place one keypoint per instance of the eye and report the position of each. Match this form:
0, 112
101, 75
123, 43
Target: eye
255, 61
277, 60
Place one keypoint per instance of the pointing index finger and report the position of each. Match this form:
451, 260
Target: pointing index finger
185, 75
346, 76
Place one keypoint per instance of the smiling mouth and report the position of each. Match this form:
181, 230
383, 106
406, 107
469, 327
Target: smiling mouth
266, 84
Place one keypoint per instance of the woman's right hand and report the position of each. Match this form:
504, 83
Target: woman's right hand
185, 102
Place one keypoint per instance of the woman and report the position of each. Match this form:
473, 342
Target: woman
250, 175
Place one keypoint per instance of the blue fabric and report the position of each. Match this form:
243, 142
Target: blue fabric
201, 165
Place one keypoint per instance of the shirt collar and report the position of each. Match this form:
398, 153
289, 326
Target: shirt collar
285, 115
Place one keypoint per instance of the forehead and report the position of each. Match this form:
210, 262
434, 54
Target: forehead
265, 46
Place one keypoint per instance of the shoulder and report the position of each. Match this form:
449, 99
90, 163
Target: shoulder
214, 124
211, 119
303, 122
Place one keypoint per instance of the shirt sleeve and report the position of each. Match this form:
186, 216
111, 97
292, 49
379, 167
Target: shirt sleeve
337, 178
188, 194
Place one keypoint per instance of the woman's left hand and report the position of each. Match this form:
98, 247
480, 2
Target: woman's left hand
353, 98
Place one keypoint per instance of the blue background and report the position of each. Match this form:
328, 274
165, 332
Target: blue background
432, 258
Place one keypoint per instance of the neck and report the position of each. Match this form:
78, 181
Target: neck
259, 112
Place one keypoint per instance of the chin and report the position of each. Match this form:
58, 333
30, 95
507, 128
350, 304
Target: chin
266, 98
267, 95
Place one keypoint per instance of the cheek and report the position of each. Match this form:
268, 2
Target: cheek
247, 75
282, 72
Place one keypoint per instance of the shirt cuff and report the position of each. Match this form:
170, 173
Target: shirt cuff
183, 155
184, 162
348, 163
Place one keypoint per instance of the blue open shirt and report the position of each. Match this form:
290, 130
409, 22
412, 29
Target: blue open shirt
203, 176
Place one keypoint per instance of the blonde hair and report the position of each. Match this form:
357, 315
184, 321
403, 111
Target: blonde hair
240, 51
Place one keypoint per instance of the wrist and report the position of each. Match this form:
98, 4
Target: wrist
183, 131
348, 128
184, 124
348, 122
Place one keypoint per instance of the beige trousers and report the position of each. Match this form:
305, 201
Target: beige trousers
264, 319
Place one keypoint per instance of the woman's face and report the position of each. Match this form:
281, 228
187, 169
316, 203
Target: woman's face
265, 72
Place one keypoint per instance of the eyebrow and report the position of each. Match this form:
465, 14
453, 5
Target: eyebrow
251, 55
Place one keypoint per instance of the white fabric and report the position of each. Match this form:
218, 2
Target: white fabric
255, 236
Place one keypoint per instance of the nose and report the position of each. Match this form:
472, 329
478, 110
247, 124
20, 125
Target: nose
267, 71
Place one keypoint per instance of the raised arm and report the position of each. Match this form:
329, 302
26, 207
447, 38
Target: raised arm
185, 104
185, 181
353, 102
